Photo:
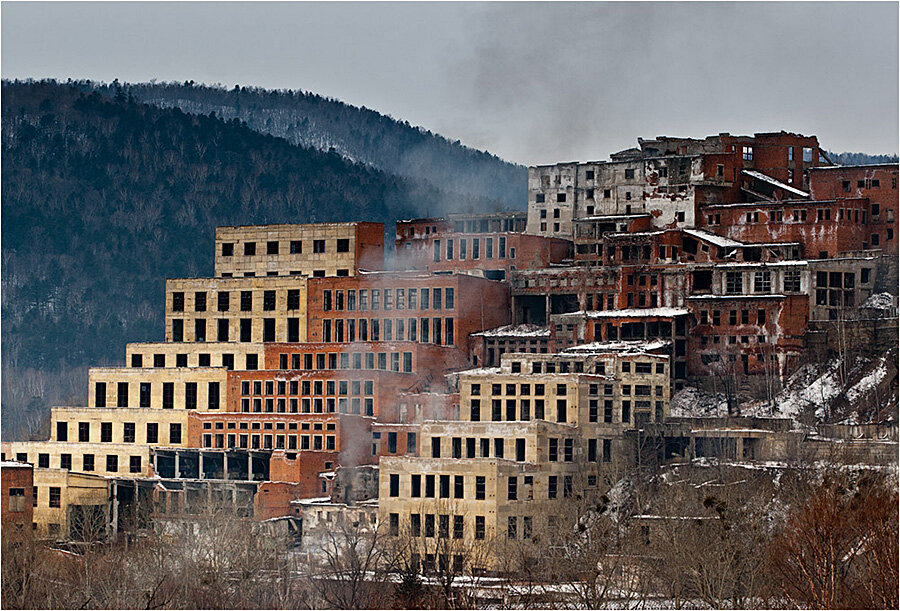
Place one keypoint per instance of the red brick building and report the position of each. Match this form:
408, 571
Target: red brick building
823, 228
496, 254
442, 309
877, 183
360, 391
427, 361
17, 499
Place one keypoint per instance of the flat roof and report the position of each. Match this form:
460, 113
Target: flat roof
627, 313
713, 238
775, 182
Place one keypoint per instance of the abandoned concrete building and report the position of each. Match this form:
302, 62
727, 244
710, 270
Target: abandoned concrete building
463, 384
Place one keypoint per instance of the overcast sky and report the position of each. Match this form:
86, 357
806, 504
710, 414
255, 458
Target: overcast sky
532, 83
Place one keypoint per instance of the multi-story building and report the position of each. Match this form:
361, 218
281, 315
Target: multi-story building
876, 183
669, 179
532, 433
493, 244
17, 499
315, 250
428, 308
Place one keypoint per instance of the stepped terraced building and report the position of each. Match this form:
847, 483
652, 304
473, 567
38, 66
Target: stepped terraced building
470, 386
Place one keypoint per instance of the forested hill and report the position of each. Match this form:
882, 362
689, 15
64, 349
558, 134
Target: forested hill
859, 158
103, 198
361, 134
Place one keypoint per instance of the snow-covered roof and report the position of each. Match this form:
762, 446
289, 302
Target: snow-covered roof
850, 167
741, 296
628, 313
713, 238
775, 182
636, 234
879, 301
12, 464
524, 330
764, 264
481, 371
319, 500
625, 346
612, 217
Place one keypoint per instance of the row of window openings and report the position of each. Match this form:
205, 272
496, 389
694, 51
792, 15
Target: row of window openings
799, 215
245, 329
416, 529
762, 282
316, 273
734, 339
268, 441
223, 301
128, 432
410, 299
867, 183
440, 486
168, 395
392, 442
203, 360
522, 411
406, 299
295, 247
716, 317
329, 405
87, 464
463, 251
400, 329
307, 387
356, 358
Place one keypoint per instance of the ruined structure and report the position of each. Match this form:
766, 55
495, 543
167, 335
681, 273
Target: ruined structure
462, 389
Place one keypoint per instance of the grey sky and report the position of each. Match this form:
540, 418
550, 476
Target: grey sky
531, 82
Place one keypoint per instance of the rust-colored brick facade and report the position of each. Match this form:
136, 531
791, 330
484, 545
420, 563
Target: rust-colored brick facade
878, 184
17, 499
411, 306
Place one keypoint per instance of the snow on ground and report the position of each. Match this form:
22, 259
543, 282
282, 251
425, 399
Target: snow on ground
868, 382
809, 387
879, 301
691, 402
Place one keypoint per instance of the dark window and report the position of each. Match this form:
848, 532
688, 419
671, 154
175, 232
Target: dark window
128, 432
112, 463
227, 249
246, 301
395, 484
178, 301
272, 248
190, 395
55, 496
62, 431
318, 246
168, 398
152, 432
84, 431
134, 464
343, 245
106, 432
249, 249
175, 433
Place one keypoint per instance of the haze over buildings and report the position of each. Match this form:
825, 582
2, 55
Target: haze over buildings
533, 83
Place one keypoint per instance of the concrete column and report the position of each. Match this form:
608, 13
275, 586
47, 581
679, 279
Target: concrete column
200, 464
113, 527
547, 309
250, 466
177, 465
225, 465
